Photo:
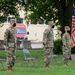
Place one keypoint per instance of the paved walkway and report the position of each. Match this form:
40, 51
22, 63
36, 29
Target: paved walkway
36, 45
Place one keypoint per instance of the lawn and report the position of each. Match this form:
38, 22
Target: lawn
56, 66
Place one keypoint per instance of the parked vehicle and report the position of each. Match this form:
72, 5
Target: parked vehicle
21, 30
36, 32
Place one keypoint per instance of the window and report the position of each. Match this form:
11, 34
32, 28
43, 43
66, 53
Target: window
10, 18
20, 20
21, 30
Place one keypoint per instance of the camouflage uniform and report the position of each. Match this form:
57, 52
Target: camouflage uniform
10, 42
66, 46
48, 42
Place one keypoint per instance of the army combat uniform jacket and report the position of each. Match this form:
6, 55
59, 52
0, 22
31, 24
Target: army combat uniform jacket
66, 47
10, 37
48, 38
66, 40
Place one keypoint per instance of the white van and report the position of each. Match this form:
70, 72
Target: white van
36, 32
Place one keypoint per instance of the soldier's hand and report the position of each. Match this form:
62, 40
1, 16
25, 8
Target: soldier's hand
65, 48
16, 43
4, 46
43, 43
69, 46
7, 47
47, 47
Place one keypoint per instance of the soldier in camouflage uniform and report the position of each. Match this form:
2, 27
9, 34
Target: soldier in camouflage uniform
48, 42
10, 44
66, 40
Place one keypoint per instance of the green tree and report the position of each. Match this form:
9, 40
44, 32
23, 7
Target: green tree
41, 9
64, 12
9, 7
60, 11
3, 0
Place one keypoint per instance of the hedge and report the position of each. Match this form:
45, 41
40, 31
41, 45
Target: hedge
58, 47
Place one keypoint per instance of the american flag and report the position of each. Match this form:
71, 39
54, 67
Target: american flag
73, 28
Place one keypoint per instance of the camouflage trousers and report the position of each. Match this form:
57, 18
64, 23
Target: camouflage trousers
66, 54
48, 55
11, 57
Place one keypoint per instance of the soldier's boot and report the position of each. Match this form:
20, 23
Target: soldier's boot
47, 66
10, 69
65, 64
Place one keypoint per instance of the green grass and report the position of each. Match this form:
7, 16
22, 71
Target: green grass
56, 67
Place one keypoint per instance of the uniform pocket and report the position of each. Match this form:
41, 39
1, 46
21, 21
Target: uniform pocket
11, 44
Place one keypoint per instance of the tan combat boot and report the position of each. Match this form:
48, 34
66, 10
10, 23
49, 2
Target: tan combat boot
65, 64
10, 69
47, 66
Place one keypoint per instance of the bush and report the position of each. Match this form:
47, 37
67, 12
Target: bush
57, 46
3, 19
73, 50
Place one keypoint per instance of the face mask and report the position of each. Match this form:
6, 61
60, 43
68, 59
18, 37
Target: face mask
14, 24
53, 26
69, 31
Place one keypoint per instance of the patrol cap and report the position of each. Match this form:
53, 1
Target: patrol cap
12, 20
67, 27
50, 23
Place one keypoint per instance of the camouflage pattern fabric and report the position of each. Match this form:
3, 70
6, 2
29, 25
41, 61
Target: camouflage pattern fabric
10, 43
66, 47
11, 57
48, 42
48, 55
48, 37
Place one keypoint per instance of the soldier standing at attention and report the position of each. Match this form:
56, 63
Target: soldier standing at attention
66, 40
48, 42
10, 44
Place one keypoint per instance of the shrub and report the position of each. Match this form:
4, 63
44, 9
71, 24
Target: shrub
57, 46
73, 50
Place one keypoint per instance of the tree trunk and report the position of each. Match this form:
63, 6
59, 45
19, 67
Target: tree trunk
65, 13
66, 20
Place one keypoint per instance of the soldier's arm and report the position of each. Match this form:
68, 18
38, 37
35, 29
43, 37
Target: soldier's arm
6, 37
14, 35
15, 39
68, 40
64, 40
45, 37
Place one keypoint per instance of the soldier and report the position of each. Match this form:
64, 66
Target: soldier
48, 42
10, 44
66, 40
